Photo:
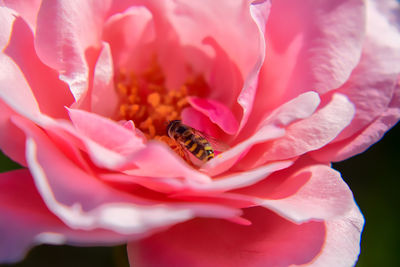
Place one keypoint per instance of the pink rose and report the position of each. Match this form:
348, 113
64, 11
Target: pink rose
87, 88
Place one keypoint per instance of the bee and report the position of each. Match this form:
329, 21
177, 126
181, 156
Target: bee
194, 141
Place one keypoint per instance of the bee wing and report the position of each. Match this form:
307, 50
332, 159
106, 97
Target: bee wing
216, 144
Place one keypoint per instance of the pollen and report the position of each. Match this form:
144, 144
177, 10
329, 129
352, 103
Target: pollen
146, 100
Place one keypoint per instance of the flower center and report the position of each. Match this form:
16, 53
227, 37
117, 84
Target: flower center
145, 99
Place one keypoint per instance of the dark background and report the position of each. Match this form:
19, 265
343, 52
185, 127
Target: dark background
372, 176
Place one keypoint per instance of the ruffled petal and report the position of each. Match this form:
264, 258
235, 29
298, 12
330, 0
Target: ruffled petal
360, 142
14, 90
131, 35
50, 92
7, 17
373, 86
12, 139
306, 135
104, 99
271, 128
314, 192
342, 243
260, 13
97, 205
310, 46
20, 203
269, 241
27, 9
217, 112
105, 132
62, 45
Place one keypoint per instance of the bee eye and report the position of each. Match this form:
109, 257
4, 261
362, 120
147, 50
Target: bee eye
180, 130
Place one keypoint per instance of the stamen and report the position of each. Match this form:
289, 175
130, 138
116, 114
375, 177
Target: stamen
145, 99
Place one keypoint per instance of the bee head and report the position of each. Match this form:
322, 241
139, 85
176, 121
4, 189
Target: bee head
171, 126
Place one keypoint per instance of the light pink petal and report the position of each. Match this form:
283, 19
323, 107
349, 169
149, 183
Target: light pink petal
260, 12
170, 181
201, 122
115, 147
147, 163
271, 128
104, 98
342, 242
14, 90
105, 132
27, 9
130, 35
195, 21
192, 35
306, 135
373, 86
269, 241
176, 190
77, 139
226, 160
25, 220
7, 17
224, 91
372, 83
50, 92
323, 196
361, 141
315, 192
100, 149
84, 202
12, 139
237, 180
311, 45
217, 112
65, 30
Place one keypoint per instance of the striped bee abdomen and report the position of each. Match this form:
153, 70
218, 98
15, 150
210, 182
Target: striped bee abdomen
189, 138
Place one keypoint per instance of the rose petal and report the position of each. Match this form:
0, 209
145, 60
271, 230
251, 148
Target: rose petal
171, 166
88, 207
7, 17
104, 98
130, 34
27, 9
362, 141
184, 32
260, 12
62, 45
316, 47
241, 179
201, 122
226, 160
217, 112
305, 135
12, 139
269, 241
50, 93
21, 203
105, 132
314, 192
378, 76
377, 73
15, 91
219, 184
224, 91
270, 128
342, 243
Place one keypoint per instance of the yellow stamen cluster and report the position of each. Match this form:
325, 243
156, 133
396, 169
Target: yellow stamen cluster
147, 102
145, 99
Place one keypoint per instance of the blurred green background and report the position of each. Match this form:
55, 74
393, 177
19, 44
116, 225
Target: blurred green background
373, 177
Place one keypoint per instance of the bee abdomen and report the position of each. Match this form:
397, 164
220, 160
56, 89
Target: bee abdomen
209, 152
